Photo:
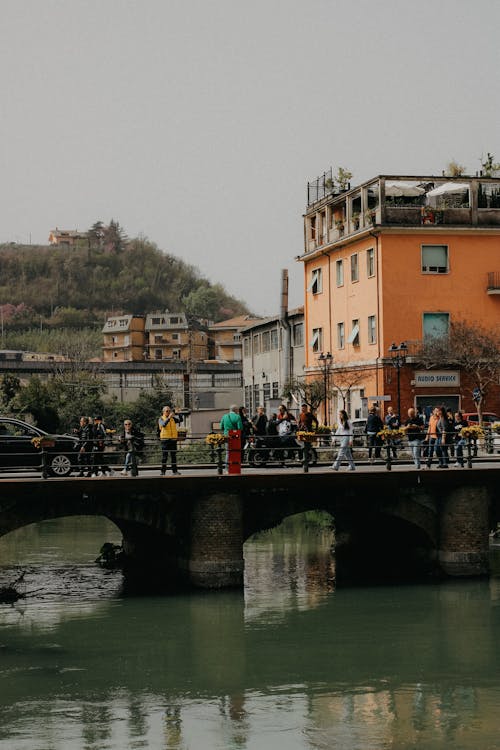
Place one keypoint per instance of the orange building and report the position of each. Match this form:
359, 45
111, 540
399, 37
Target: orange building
124, 339
397, 259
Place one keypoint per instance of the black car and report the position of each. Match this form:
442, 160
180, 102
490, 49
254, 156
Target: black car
22, 446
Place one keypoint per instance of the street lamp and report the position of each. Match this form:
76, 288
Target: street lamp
325, 360
398, 355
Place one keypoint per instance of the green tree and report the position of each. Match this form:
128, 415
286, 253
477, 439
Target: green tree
10, 385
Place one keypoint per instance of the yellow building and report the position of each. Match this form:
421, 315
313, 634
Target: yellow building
226, 337
173, 336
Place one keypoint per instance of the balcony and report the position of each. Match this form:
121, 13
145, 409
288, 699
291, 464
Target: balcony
493, 282
399, 201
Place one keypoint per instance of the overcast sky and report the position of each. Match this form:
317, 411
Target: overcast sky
198, 123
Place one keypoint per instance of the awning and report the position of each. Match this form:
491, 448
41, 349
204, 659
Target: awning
315, 338
354, 334
314, 279
449, 187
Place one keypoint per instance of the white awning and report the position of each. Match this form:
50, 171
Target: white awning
354, 334
448, 187
314, 279
315, 338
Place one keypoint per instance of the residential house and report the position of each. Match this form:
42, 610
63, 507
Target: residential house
124, 339
66, 237
226, 337
172, 336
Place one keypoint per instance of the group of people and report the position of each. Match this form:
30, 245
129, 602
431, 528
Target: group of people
280, 427
442, 435
91, 434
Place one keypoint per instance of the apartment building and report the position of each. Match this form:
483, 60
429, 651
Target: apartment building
226, 337
174, 336
394, 261
123, 339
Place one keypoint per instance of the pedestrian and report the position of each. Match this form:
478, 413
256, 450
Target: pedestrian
286, 441
450, 432
307, 421
373, 426
259, 422
443, 432
85, 446
246, 432
431, 438
414, 432
99, 441
167, 426
459, 422
132, 440
391, 421
344, 433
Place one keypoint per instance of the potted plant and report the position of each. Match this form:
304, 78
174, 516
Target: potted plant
355, 219
370, 216
339, 223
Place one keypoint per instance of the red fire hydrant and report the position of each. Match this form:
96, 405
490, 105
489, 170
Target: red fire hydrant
234, 452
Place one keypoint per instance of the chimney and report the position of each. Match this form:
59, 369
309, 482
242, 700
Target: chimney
285, 326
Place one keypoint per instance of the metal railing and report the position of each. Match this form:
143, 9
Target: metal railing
259, 452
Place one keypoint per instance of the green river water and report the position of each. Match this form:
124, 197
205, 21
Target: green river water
291, 662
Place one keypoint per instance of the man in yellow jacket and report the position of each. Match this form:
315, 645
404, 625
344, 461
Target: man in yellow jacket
167, 425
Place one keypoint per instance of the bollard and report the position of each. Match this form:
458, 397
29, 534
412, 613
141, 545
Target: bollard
306, 456
388, 464
469, 453
220, 461
234, 452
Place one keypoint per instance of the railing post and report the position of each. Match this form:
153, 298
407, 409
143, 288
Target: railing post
220, 463
45, 464
388, 464
305, 460
469, 453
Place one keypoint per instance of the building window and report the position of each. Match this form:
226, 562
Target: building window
266, 341
276, 390
339, 272
435, 259
248, 398
123, 323
256, 344
436, 325
370, 262
267, 393
316, 282
236, 337
340, 335
312, 227
256, 396
175, 337
274, 338
354, 335
176, 353
158, 354
174, 321
317, 340
372, 329
158, 338
298, 334
354, 267
246, 346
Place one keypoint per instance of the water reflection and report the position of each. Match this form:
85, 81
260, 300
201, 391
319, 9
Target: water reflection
291, 663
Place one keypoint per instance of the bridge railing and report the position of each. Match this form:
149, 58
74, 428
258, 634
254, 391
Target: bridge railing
258, 452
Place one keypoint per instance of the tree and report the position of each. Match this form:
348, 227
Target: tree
454, 169
343, 380
471, 348
490, 168
305, 391
10, 385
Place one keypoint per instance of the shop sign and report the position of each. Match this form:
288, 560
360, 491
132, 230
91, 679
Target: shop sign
437, 378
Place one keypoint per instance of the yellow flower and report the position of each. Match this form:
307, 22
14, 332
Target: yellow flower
213, 438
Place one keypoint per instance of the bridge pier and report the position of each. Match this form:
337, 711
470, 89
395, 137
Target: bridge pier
463, 532
216, 544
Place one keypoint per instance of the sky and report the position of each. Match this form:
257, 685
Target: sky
197, 123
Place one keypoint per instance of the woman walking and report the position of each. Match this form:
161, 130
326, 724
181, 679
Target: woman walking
344, 432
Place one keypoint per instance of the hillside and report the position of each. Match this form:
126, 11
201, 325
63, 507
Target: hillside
75, 286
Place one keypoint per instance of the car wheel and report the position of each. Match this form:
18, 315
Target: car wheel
59, 465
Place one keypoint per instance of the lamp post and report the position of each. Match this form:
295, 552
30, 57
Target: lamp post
398, 355
325, 360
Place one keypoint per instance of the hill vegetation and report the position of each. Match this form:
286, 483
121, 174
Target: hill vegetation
75, 287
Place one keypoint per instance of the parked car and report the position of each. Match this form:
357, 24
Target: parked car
488, 417
358, 431
21, 448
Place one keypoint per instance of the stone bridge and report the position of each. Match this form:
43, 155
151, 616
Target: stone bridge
191, 529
